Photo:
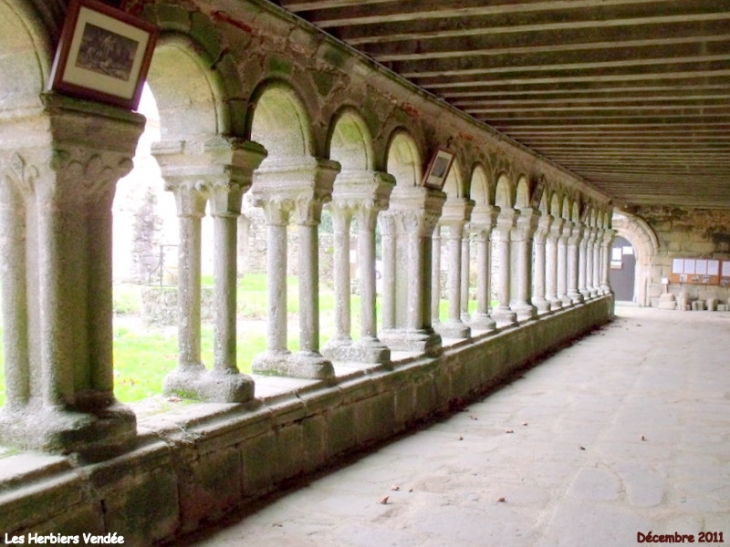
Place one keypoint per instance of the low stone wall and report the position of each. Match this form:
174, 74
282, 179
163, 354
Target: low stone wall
196, 463
159, 305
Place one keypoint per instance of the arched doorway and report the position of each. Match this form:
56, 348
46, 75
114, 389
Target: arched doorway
622, 273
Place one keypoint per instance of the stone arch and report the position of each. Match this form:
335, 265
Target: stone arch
480, 186
26, 56
454, 185
188, 94
646, 247
566, 208
575, 212
404, 159
522, 196
279, 121
555, 204
503, 192
350, 142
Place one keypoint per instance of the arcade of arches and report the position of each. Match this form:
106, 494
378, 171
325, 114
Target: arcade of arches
252, 102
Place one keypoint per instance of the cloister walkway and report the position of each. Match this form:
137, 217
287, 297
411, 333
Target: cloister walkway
627, 431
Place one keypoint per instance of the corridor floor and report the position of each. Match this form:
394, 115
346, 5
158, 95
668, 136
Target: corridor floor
624, 433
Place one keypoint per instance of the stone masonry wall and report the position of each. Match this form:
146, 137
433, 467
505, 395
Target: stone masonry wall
688, 233
193, 465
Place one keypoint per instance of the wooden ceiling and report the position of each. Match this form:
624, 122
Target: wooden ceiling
631, 95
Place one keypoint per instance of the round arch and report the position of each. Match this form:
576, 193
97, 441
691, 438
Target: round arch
503, 192
646, 247
454, 185
480, 186
26, 56
404, 159
350, 142
280, 122
522, 196
188, 94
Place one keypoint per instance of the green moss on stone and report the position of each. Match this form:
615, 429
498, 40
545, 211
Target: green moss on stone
276, 64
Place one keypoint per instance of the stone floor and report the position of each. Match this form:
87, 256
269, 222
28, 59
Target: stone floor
625, 432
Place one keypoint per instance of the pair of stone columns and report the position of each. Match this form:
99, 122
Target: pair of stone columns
218, 172
60, 166
407, 228
361, 195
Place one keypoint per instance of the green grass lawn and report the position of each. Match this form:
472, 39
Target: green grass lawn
143, 355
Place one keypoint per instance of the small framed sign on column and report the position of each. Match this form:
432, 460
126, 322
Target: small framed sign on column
103, 55
438, 169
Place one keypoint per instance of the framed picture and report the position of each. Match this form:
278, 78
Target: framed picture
103, 54
438, 169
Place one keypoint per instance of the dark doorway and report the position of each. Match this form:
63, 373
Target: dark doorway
623, 269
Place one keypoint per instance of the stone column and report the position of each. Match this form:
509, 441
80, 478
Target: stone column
436, 278
58, 182
220, 172
363, 194
521, 237
540, 265
465, 273
341, 219
551, 267
596, 283
503, 314
456, 213
563, 263
416, 211
387, 225
590, 235
298, 188
573, 263
583, 262
606, 244
483, 220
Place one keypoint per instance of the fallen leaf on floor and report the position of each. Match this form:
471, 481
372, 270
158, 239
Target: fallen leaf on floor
524, 423
395, 488
502, 500
174, 399
509, 430
582, 447
411, 490
384, 501
473, 417
643, 438
461, 438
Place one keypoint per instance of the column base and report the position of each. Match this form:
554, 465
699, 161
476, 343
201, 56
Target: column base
524, 312
504, 316
482, 321
305, 365
95, 434
422, 340
541, 305
567, 301
210, 386
453, 329
585, 293
370, 350
555, 304
576, 298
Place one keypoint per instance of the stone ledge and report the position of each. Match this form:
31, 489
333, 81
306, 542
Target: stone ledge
198, 462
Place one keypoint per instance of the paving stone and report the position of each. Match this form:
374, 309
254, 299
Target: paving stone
579, 474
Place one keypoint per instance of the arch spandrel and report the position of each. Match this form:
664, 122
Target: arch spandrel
522, 195
479, 187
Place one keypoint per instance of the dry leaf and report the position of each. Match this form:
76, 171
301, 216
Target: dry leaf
582, 447
524, 423
461, 438
509, 431
643, 438
473, 417
502, 499
411, 490
384, 501
395, 488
